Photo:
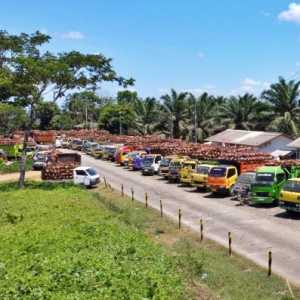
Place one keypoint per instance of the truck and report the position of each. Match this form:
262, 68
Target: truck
268, 183
86, 176
186, 171
11, 149
121, 153
289, 197
164, 166
200, 175
222, 178
175, 167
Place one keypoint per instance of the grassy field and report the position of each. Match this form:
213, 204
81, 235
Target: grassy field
14, 167
63, 242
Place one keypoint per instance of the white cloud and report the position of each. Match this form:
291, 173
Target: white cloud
73, 35
200, 55
249, 85
292, 14
250, 82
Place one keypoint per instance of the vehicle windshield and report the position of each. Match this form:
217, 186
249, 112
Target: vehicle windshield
292, 186
175, 164
264, 177
91, 171
165, 163
77, 142
218, 172
189, 165
202, 170
246, 178
148, 160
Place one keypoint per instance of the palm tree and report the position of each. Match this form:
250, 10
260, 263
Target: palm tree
175, 105
203, 111
284, 98
242, 112
147, 115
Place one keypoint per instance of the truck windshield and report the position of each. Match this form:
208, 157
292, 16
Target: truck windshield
189, 165
218, 172
264, 177
292, 186
246, 178
91, 172
202, 170
148, 160
175, 164
165, 163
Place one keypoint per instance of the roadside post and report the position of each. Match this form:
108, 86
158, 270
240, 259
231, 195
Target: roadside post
179, 218
132, 194
105, 182
161, 208
229, 244
122, 190
201, 230
146, 199
270, 263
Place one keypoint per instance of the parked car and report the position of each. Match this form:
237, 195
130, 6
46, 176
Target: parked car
151, 164
86, 176
77, 144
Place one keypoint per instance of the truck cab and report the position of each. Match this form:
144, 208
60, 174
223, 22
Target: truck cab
188, 167
268, 183
121, 153
86, 176
164, 166
200, 176
289, 197
222, 178
151, 164
174, 169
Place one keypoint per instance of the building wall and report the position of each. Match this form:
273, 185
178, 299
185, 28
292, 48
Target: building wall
279, 143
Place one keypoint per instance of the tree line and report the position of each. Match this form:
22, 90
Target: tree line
176, 114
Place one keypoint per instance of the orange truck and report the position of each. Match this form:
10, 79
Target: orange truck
222, 178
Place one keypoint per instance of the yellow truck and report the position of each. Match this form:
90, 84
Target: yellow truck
222, 178
200, 176
289, 196
186, 171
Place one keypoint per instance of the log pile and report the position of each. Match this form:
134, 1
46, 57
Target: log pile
60, 166
44, 137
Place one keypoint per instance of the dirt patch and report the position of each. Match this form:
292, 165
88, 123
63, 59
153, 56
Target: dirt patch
31, 175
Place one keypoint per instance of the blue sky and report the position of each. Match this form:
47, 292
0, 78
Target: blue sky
223, 47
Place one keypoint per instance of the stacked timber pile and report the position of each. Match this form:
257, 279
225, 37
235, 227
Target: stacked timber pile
285, 163
60, 166
44, 137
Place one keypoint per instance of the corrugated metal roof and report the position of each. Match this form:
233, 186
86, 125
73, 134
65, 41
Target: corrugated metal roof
244, 137
295, 143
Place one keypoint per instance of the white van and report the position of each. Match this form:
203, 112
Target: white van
86, 176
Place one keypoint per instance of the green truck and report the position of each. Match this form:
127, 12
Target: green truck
269, 181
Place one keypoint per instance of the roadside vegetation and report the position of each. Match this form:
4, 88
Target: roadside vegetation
62, 242
14, 166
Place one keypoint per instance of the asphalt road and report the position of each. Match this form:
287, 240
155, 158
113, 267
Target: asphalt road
255, 230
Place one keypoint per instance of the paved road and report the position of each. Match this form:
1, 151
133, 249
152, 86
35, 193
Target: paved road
255, 230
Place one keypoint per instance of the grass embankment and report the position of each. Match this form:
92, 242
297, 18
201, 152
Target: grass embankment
14, 166
64, 242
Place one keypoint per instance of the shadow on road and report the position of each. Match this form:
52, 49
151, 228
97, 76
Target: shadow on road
288, 215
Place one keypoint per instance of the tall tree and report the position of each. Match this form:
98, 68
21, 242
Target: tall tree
175, 105
242, 112
27, 73
45, 112
147, 115
284, 99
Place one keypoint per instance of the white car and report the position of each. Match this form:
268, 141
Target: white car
86, 176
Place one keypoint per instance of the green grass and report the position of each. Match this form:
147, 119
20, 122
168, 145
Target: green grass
14, 167
61, 242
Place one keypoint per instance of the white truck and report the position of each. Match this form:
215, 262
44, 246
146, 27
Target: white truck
86, 176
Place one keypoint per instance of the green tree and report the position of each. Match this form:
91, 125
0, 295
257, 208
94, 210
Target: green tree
284, 99
242, 112
11, 118
203, 110
27, 73
176, 106
147, 115
83, 107
45, 112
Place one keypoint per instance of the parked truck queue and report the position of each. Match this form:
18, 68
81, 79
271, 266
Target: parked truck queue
255, 183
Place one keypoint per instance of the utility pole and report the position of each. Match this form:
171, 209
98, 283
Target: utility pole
120, 124
86, 116
195, 121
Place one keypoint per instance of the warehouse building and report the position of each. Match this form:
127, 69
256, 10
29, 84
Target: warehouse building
275, 143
